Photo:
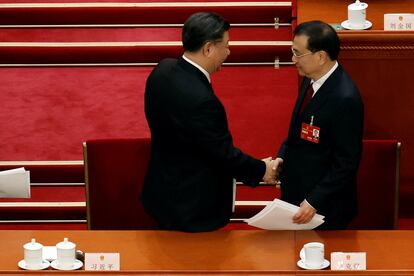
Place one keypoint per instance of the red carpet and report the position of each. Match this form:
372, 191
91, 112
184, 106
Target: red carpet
51, 111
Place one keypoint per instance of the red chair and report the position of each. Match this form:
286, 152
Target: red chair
114, 175
378, 186
378, 190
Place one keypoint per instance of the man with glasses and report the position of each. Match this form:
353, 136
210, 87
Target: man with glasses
189, 183
318, 161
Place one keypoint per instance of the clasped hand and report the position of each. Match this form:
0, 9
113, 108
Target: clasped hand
273, 168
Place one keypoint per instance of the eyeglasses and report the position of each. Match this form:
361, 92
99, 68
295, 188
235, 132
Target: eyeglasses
299, 56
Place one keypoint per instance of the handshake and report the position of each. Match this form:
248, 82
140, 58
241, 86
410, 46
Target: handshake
273, 169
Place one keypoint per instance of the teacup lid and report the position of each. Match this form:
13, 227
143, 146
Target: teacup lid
358, 6
65, 244
33, 245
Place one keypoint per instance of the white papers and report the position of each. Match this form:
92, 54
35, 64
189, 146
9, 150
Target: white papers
15, 183
277, 215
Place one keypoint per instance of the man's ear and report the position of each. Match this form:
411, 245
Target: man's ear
208, 48
323, 57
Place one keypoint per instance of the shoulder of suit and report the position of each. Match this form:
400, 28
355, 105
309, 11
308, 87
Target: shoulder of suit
168, 61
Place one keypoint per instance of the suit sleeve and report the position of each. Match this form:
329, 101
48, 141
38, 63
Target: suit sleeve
346, 137
208, 130
282, 150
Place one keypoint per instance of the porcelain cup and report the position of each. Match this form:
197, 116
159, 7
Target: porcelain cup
313, 254
33, 254
357, 15
65, 254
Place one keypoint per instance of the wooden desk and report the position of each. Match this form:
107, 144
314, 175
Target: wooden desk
221, 252
386, 250
169, 252
337, 11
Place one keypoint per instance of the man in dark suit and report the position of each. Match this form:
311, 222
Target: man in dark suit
189, 183
320, 158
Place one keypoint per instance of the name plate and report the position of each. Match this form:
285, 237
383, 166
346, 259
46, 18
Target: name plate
399, 21
348, 261
102, 261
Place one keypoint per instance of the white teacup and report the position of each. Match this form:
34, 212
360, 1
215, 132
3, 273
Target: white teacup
357, 15
65, 254
313, 254
33, 254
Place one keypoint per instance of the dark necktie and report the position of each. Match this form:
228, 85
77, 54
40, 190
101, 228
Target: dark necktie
308, 98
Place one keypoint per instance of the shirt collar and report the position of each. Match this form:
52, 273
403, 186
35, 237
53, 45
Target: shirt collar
317, 84
198, 66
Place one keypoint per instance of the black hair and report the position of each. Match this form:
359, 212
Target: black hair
321, 37
202, 27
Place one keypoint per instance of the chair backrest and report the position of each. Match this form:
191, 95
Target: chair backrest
114, 175
378, 189
378, 186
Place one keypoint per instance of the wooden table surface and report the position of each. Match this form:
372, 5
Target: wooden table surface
168, 251
221, 252
386, 250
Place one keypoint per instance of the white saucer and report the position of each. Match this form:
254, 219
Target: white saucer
22, 265
302, 264
346, 25
76, 265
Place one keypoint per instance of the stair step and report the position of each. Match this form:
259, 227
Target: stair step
46, 203
49, 171
81, 34
131, 52
140, 13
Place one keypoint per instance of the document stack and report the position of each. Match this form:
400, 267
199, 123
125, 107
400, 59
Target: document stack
278, 214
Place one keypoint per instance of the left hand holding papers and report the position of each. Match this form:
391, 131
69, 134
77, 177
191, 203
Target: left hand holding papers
304, 214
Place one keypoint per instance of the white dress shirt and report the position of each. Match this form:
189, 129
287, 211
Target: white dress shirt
318, 83
199, 67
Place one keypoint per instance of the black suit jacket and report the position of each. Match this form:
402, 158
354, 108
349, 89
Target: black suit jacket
188, 185
325, 174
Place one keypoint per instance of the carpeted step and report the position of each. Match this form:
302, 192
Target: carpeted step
265, 42
131, 34
46, 203
57, 193
140, 13
49, 172
131, 52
